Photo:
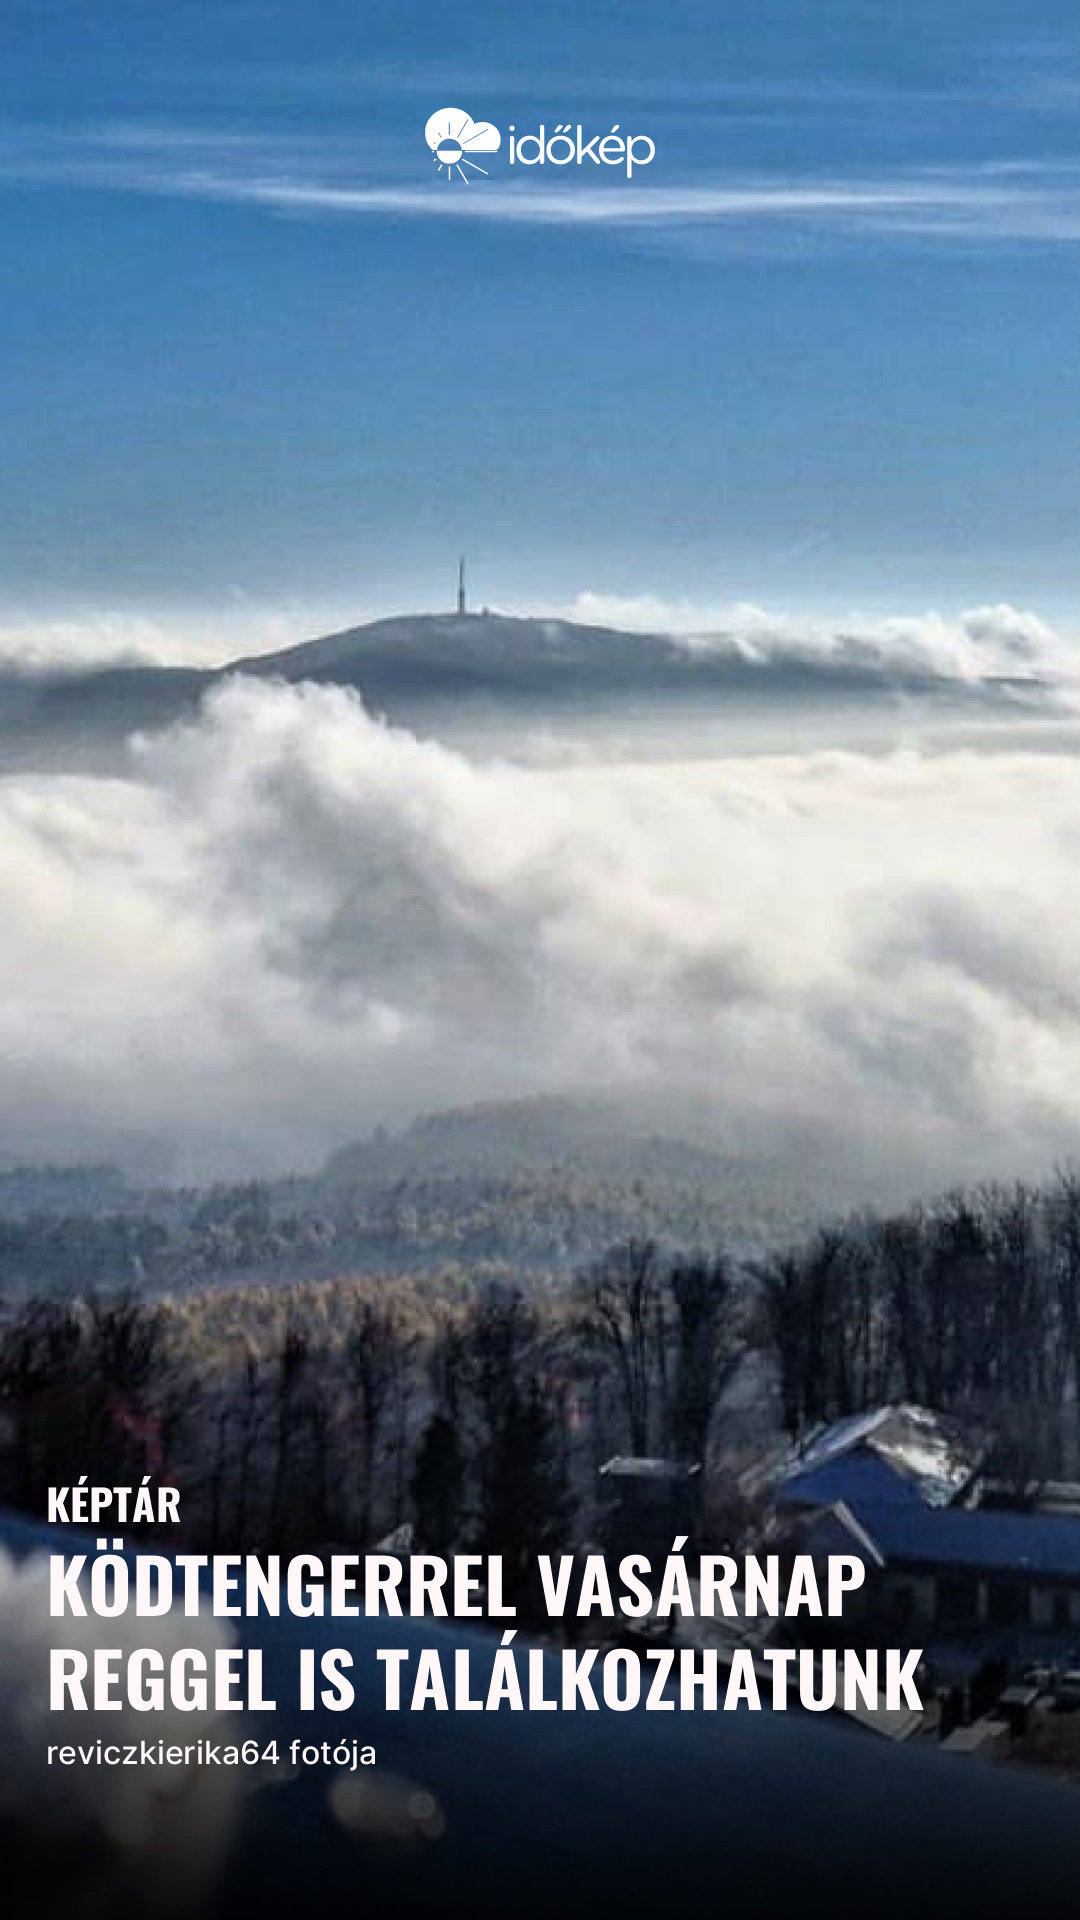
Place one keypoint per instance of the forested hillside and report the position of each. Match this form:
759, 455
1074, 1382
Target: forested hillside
524, 1193
477, 1396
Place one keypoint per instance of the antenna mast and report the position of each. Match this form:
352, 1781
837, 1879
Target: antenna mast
461, 585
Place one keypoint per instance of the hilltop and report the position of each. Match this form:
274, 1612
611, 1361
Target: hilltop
413, 668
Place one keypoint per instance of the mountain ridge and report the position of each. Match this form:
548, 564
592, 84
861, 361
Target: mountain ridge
406, 666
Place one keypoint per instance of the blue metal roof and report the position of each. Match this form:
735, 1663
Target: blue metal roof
892, 1509
984, 1540
853, 1477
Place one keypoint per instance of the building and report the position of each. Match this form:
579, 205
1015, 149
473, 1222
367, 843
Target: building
646, 1504
902, 1488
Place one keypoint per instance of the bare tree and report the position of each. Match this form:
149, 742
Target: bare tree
623, 1315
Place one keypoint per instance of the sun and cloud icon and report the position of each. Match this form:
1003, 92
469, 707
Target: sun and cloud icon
454, 136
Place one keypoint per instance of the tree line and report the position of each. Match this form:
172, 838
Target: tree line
333, 1413
970, 1306
338, 1411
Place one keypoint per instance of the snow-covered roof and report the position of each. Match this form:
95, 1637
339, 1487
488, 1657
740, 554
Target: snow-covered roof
640, 1467
926, 1450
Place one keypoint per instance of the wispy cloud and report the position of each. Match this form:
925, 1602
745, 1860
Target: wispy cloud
977, 644
51, 639
1018, 202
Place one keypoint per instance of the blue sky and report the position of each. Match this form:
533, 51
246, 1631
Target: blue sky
259, 363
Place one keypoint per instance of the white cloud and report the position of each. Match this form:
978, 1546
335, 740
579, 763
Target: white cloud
969, 646
292, 921
198, 637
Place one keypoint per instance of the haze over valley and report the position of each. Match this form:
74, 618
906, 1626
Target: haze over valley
759, 889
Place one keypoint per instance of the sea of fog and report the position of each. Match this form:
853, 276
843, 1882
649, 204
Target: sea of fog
817, 911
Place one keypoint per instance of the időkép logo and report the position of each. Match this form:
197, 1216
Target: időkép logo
454, 137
